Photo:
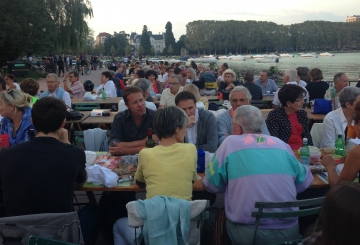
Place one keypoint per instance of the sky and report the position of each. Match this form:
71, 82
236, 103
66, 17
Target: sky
131, 16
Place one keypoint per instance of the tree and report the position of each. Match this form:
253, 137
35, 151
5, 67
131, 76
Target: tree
112, 50
145, 41
180, 44
141, 50
169, 37
170, 49
128, 49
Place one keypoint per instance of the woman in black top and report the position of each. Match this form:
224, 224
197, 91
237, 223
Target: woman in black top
229, 83
316, 88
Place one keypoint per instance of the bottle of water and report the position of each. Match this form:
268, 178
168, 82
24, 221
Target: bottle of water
103, 94
305, 153
339, 146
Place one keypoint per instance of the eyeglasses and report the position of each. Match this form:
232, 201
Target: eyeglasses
173, 84
11, 92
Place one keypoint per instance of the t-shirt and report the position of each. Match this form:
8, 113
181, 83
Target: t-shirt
168, 171
39, 176
254, 89
317, 90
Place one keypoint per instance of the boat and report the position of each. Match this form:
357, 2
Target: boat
266, 59
286, 55
258, 56
249, 56
274, 56
237, 58
224, 57
204, 59
327, 54
309, 55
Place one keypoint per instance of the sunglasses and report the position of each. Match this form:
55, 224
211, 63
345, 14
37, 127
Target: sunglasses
11, 92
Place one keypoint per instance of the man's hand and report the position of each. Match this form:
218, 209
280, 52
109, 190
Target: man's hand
66, 76
155, 138
116, 149
328, 162
64, 135
191, 121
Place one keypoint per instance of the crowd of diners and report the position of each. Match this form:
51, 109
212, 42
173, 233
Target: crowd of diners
253, 157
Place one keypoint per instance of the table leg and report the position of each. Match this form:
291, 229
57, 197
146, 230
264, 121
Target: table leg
91, 197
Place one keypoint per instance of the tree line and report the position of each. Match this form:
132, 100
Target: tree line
216, 37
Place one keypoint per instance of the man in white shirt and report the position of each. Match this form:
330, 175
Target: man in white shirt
169, 94
54, 90
289, 78
336, 122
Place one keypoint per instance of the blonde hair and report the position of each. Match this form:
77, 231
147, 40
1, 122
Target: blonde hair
18, 98
191, 71
194, 90
231, 72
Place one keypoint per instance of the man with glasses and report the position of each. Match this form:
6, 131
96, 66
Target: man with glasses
169, 94
239, 96
76, 89
54, 90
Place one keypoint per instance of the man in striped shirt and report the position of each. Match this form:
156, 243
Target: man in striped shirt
76, 89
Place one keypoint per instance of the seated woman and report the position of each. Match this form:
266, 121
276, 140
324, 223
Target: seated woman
16, 113
229, 83
316, 88
191, 74
336, 122
152, 76
11, 82
289, 122
339, 217
30, 86
107, 84
352, 164
201, 102
168, 169
184, 78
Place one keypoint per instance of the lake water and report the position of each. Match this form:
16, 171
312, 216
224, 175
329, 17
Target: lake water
348, 63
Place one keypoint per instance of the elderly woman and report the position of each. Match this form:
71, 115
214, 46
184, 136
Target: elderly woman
152, 76
191, 74
11, 82
289, 122
30, 86
168, 169
229, 83
316, 88
16, 113
201, 102
336, 122
107, 84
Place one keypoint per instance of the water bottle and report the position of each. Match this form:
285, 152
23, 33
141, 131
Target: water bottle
305, 153
103, 94
339, 146
201, 161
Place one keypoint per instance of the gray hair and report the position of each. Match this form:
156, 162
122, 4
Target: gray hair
338, 76
249, 118
166, 120
53, 75
207, 68
192, 72
348, 94
144, 84
177, 77
292, 73
182, 67
239, 89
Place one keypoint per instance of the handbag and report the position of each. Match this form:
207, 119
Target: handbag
73, 115
322, 106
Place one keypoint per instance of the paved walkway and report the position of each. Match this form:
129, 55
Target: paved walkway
94, 76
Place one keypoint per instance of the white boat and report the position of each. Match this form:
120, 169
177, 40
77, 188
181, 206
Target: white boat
327, 54
224, 57
267, 59
286, 55
249, 56
309, 55
238, 58
274, 56
258, 56
203, 60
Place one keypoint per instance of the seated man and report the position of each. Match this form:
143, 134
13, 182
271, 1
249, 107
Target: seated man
254, 89
265, 83
238, 96
244, 168
130, 128
76, 89
340, 81
202, 130
168, 95
54, 90
23, 164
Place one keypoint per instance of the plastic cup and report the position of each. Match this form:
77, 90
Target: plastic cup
267, 92
315, 156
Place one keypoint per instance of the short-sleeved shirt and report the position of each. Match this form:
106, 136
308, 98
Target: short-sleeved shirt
167, 98
77, 90
270, 86
317, 90
168, 171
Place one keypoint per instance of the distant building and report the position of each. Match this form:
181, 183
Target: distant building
354, 18
157, 41
102, 37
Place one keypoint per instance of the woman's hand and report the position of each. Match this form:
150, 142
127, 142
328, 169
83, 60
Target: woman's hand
328, 162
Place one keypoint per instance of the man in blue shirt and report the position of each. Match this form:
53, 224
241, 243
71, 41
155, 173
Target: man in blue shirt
265, 83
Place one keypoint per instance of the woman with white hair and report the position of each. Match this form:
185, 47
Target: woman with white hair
229, 83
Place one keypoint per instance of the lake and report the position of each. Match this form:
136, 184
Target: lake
348, 63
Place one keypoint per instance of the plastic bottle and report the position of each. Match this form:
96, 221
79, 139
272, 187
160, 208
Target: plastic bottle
305, 153
327, 95
103, 94
339, 146
201, 161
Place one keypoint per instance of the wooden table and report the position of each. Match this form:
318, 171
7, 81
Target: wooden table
98, 101
71, 122
268, 98
100, 120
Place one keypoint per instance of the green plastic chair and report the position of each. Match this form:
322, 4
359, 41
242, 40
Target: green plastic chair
86, 106
310, 207
35, 240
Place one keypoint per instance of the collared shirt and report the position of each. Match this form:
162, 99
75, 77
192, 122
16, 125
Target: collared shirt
335, 123
65, 98
191, 133
167, 98
277, 102
124, 129
77, 90
270, 86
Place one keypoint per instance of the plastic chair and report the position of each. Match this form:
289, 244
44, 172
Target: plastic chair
316, 132
198, 214
314, 207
